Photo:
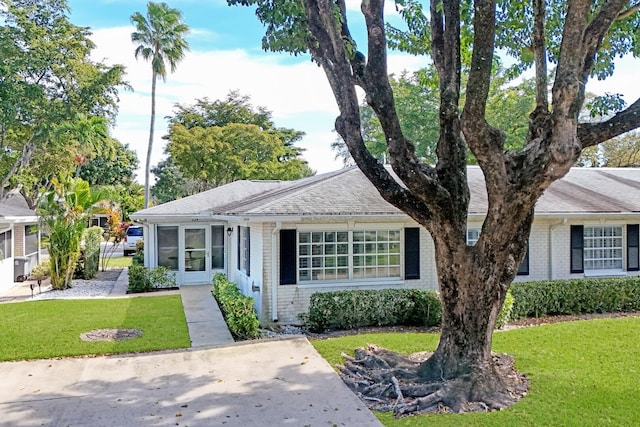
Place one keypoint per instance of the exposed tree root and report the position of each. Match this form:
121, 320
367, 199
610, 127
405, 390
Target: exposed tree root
387, 381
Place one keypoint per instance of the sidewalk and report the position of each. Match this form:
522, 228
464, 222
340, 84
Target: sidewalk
207, 327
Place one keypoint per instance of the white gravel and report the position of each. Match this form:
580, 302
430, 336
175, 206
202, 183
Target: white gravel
80, 289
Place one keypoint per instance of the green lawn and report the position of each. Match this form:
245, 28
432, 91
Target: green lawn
582, 373
46, 329
118, 262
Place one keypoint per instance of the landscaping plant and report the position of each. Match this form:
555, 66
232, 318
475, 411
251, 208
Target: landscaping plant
65, 211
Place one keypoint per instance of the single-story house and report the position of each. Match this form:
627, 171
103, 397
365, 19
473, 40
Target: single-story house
283, 241
19, 240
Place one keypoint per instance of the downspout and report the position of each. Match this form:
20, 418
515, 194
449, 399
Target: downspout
274, 276
551, 230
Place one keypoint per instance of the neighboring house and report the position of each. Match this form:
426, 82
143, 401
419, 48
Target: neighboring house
19, 240
283, 241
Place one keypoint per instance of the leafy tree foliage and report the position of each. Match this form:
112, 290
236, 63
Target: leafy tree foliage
214, 143
160, 38
65, 212
48, 86
580, 39
417, 103
115, 165
171, 184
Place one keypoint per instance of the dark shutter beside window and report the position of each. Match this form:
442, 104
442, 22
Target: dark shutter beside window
577, 249
633, 244
523, 270
288, 257
239, 249
411, 253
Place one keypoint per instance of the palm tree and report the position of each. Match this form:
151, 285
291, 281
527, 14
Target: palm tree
160, 38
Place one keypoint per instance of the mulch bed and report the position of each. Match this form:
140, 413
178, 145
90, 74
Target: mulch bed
110, 334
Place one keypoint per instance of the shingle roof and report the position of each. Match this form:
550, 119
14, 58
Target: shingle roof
348, 192
15, 207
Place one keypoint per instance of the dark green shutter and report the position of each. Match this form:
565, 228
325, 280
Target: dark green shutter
577, 249
411, 253
288, 254
633, 244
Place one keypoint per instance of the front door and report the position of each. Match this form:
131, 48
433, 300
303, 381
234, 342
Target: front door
195, 255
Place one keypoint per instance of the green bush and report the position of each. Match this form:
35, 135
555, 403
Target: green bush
360, 308
138, 256
41, 271
236, 308
92, 237
139, 280
576, 296
142, 279
505, 312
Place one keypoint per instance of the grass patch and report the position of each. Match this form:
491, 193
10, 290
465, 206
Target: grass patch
582, 373
118, 262
47, 329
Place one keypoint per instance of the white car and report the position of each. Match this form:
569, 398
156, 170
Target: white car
134, 233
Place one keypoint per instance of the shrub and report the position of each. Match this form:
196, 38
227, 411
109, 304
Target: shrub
138, 256
139, 280
360, 308
236, 308
143, 280
92, 237
576, 296
41, 271
505, 312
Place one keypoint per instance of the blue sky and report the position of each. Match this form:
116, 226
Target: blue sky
226, 55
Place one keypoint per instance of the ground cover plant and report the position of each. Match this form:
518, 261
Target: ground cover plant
47, 329
582, 373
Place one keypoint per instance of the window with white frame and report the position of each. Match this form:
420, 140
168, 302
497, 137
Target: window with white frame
31, 239
5, 245
344, 255
602, 247
473, 234
167, 240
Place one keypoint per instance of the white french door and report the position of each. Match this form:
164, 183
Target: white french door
195, 255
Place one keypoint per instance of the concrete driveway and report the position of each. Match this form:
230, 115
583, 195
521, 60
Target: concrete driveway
267, 383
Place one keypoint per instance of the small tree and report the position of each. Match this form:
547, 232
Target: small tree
65, 212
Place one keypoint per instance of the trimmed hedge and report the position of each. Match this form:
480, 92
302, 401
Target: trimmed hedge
92, 237
236, 308
360, 308
576, 296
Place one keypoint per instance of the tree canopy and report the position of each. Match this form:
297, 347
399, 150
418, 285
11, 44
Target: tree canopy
48, 86
214, 143
578, 40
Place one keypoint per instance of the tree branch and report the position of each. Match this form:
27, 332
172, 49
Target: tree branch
591, 134
330, 51
628, 12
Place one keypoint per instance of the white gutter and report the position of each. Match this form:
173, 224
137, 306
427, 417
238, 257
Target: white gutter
274, 276
551, 230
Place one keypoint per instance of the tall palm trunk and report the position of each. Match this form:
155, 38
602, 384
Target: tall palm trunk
150, 146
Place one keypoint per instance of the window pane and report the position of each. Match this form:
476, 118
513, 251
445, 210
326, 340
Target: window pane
167, 239
602, 248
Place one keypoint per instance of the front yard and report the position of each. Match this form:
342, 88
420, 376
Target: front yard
47, 329
582, 373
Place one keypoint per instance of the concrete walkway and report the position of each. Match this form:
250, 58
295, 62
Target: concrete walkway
263, 383
207, 327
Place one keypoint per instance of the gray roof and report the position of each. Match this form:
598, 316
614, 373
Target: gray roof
15, 207
347, 192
